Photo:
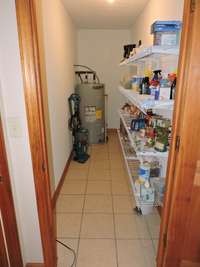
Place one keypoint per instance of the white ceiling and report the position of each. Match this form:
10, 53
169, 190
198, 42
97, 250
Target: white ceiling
100, 14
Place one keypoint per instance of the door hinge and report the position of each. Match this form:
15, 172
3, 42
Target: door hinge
192, 5
178, 141
165, 240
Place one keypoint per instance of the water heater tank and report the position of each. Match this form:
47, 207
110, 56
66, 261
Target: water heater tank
92, 110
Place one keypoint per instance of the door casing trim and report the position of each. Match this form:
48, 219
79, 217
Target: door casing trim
30, 62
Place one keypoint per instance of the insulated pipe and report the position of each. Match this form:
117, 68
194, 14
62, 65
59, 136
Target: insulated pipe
86, 67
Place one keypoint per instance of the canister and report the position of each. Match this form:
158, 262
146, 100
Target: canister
144, 172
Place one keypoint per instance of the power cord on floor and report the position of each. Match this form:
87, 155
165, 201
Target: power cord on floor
70, 249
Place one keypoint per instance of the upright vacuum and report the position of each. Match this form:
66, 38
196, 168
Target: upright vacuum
80, 134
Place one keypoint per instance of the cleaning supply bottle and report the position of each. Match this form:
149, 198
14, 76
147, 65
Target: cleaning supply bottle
173, 89
157, 93
144, 88
172, 78
157, 75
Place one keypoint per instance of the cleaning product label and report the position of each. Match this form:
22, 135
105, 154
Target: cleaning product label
99, 114
147, 195
165, 93
90, 113
144, 172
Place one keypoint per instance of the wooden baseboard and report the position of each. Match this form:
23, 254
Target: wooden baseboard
62, 179
112, 130
35, 265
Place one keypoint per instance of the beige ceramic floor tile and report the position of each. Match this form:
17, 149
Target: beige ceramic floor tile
68, 225
98, 203
153, 221
68, 203
100, 149
156, 243
64, 255
77, 174
149, 252
133, 201
113, 147
117, 164
135, 253
122, 204
99, 146
97, 226
120, 188
79, 166
74, 188
98, 187
130, 227
105, 165
97, 253
100, 165
95, 160
99, 175
95, 152
113, 141
117, 174
114, 150
115, 157
99, 156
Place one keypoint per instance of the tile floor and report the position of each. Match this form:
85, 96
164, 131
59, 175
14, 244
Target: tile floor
95, 215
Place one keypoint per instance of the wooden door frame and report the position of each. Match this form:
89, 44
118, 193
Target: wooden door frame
171, 183
9, 223
30, 61
3, 252
27, 27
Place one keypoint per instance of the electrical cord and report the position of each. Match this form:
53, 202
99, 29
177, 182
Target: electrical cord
70, 249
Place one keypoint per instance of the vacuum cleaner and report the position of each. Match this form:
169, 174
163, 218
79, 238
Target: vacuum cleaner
80, 134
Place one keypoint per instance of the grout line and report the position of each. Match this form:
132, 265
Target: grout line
106, 238
96, 194
148, 228
96, 212
114, 225
82, 216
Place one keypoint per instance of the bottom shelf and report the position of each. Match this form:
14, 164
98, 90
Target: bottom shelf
143, 203
132, 166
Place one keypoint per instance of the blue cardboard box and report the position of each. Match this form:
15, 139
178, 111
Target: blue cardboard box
166, 26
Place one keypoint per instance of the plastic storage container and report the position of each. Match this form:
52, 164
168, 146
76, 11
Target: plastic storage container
166, 32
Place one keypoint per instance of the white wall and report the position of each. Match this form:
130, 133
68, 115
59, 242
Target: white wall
102, 50
12, 107
60, 46
155, 10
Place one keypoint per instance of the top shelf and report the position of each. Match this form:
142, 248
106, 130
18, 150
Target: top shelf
153, 53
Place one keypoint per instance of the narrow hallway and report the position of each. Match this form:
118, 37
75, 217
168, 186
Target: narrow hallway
95, 214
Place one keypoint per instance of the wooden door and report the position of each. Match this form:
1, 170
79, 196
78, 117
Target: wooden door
180, 233
8, 226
